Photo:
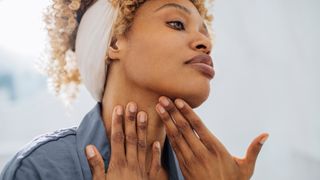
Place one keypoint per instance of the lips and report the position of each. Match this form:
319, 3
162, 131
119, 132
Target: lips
202, 58
203, 63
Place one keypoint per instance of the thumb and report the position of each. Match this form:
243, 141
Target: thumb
96, 163
156, 160
254, 149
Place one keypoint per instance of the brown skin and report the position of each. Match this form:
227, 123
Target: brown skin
147, 63
200, 154
127, 154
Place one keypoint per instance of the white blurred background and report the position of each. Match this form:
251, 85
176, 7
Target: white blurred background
266, 56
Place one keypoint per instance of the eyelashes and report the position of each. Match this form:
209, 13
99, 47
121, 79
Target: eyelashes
178, 25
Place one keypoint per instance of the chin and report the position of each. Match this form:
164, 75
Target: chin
194, 98
196, 101
193, 92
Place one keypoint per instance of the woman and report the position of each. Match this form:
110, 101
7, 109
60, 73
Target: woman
157, 69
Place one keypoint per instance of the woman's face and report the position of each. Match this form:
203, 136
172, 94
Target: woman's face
159, 43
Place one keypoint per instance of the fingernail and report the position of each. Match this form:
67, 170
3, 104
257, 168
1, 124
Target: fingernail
132, 107
142, 117
157, 145
264, 139
119, 111
179, 103
161, 109
164, 101
90, 151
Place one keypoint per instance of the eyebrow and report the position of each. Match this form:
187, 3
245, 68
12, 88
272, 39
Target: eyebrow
177, 6
180, 7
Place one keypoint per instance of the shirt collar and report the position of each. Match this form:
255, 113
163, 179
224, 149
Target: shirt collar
92, 131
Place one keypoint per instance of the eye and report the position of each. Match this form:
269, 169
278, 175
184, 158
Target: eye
177, 25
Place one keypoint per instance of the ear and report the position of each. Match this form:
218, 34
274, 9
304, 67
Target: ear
116, 48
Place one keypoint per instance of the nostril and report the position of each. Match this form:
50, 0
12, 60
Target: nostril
201, 46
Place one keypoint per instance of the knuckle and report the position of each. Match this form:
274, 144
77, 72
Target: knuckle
171, 109
176, 135
132, 167
131, 139
190, 161
197, 124
131, 117
184, 110
121, 163
202, 157
174, 145
95, 162
187, 163
211, 148
165, 117
111, 166
157, 167
117, 137
117, 120
184, 126
142, 126
142, 144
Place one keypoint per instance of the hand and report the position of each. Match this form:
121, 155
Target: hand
126, 163
200, 154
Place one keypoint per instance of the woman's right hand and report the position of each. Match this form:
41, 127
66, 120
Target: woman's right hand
129, 162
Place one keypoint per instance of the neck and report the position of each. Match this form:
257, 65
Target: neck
119, 91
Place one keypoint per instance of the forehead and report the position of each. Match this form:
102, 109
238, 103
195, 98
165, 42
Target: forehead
184, 3
151, 7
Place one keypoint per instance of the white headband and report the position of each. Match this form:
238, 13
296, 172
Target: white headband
91, 46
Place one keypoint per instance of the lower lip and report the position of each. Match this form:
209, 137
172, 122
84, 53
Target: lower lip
204, 68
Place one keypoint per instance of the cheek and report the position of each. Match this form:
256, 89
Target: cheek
151, 58
158, 65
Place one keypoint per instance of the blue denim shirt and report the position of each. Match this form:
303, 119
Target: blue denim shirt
60, 154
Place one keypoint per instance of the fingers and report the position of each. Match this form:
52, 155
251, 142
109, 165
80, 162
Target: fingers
176, 139
254, 149
208, 139
95, 162
131, 135
128, 146
183, 126
117, 136
156, 160
142, 138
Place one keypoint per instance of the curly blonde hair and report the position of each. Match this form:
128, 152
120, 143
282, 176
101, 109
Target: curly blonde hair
61, 22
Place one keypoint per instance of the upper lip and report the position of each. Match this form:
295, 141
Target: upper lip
202, 58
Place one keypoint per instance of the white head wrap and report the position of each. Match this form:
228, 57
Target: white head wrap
91, 46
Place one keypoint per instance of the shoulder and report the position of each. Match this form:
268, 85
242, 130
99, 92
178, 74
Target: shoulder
58, 138
44, 156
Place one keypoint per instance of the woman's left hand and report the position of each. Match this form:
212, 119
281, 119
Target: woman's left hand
200, 154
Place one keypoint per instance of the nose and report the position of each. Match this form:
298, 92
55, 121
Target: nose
202, 43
